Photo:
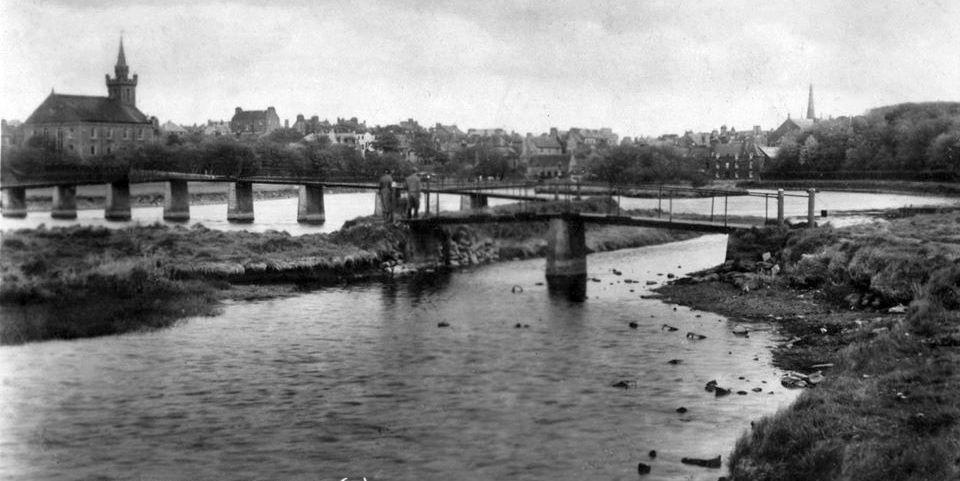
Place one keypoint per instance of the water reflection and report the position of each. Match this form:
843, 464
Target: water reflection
571, 288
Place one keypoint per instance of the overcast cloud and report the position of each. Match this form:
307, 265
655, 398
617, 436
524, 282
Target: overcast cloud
638, 67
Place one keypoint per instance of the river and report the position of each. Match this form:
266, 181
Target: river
281, 214
360, 381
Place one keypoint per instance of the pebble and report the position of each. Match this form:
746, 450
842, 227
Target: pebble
633, 325
681, 409
643, 468
443, 324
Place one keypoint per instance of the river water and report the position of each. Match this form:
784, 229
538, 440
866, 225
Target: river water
360, 381
281, 214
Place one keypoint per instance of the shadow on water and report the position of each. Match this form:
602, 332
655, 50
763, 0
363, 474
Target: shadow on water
571, 288
415, 287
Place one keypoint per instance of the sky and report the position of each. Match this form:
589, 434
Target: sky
639, 67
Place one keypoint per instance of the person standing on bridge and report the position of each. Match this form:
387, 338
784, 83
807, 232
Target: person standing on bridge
386, 195
413, 195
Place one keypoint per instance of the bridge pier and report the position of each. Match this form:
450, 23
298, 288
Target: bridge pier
64, 202
310, 205
118, 201
240, 202
567, 255
473, 201
15, 202
176, 202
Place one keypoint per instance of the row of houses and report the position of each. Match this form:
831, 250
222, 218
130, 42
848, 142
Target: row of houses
90, 126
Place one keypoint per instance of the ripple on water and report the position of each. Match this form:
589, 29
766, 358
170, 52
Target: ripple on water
359, 381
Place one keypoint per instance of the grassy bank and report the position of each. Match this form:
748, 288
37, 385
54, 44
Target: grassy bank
64, 283
889, 407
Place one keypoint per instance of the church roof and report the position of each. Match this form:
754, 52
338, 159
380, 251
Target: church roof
83, 108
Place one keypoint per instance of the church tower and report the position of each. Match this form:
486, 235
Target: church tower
122, 88
810, 112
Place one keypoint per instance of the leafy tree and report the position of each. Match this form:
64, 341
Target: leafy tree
386, 142
284, 136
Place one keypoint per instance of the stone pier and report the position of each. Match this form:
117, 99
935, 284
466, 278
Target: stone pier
240, 202
310, 205
473, 201
64, 202
176, 202
567, 258
15, 202
118, 201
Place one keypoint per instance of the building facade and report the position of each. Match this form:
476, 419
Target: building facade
254, 122
92, 126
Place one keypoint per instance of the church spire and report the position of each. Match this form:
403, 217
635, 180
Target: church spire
122, 87
121, 69
810, 111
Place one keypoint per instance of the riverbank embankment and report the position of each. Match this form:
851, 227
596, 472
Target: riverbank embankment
870, 316
64, 283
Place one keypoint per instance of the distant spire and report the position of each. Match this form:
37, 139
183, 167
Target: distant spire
121, 69
810, 112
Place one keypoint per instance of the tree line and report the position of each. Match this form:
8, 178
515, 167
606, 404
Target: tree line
920, 141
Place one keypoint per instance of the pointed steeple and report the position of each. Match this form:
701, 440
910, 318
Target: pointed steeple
122, 87
121, 69
810, 111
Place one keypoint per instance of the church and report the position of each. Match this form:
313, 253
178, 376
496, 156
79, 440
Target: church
793, 125
92, 126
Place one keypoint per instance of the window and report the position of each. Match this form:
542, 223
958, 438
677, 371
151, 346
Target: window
71, 147
70, 133
109, 149
93, 133
93, 150
110, 133
140, 134
126, 134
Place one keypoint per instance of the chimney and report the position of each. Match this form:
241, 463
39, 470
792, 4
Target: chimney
237, 111
553, 131
286, 123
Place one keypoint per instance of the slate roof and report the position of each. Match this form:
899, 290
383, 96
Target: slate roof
545, 142
73, 108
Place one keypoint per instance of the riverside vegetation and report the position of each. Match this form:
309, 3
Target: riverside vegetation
64, 283
876, 308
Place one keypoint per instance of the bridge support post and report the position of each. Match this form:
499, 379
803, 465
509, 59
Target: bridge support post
310, 205
15, 202
240, 202
118, 201
64, 202
176, 202
811, 207
779, 207
473, 201
567, 258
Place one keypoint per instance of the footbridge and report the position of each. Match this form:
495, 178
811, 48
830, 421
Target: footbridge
176, 194
566, 267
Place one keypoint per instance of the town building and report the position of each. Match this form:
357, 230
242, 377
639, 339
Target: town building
254, 122
92, 126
